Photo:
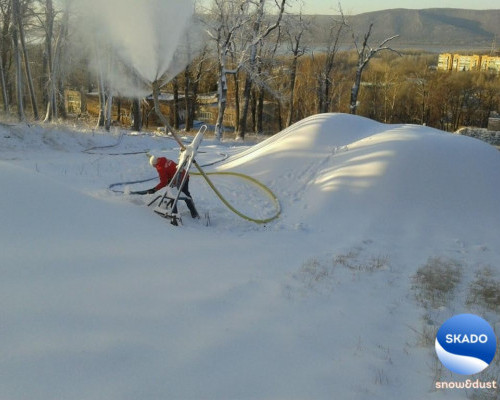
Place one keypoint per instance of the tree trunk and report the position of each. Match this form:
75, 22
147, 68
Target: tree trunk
176, 103
17, 58
320, 92
102, 101
48, 61
260, 111
27, 66
293, 78
136, 115
119, 110
4, 88
253, 110
101, 92
195, 89
219, 125
326, 95
236, 102
60, 98
83, 101
5, 56
55, 97
242, 126
355, 91
222, 94
221, 106
108, 111
187, 101
280, 118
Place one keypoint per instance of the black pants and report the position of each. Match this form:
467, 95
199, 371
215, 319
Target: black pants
188, 200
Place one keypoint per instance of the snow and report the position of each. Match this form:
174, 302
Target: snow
101, 298
144, 50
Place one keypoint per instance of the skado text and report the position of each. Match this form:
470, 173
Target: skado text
459, 338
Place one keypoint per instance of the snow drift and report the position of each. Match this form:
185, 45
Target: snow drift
366, 177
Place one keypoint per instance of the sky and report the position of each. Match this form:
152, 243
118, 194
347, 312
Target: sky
361, 6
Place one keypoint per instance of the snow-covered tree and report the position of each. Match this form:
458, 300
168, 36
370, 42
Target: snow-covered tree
324, 74
54, 51
192, 78
18, 20
16, 15
5, 46
260, 30
365, 54
294, 28
225, 19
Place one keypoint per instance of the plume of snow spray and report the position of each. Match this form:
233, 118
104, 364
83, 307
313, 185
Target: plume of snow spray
148, 40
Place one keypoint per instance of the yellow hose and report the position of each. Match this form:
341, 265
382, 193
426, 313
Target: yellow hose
228, 205
156, 92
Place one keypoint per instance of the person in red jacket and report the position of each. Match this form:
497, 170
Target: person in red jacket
166, 170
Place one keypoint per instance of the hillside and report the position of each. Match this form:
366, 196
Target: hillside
439, 29
104, 300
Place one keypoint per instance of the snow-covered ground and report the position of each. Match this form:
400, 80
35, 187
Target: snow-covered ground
100, 298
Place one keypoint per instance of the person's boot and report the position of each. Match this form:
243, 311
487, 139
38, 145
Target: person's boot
192, 209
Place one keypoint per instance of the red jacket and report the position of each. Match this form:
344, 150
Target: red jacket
166, 170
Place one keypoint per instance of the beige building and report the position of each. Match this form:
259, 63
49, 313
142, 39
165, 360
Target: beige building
445, 61
460, 62
490, 63
466, 63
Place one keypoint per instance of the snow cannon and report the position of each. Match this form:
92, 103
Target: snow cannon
173, 193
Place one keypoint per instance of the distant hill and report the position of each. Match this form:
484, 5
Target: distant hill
435, 29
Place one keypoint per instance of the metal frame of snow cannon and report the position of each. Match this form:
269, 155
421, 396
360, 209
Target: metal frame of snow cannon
172, 195
174, 189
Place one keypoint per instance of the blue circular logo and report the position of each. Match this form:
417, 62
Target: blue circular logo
466, 344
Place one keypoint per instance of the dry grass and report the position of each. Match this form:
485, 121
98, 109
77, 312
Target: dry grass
485, 290
435, 282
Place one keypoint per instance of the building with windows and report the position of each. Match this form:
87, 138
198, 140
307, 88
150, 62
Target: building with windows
460, 62
445, 62
490, 63
466, 63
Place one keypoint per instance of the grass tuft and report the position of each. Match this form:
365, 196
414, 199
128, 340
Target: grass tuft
435, 282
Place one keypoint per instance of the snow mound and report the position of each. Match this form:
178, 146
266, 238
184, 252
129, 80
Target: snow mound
369, 178
313, 137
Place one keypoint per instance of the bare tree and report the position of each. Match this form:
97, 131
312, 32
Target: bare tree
5, 45
54, 59
17, 59
4, 88
365, 54
18, 20
175, 90
48, 58
260, 30
192, 77
295, 28
263, 82
136, 115
226, 19
324, 75
188, 124
108, 109
102, 88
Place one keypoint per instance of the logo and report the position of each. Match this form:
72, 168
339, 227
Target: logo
466, 344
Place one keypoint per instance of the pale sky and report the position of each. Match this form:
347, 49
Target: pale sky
353, 7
